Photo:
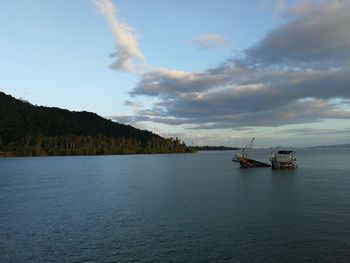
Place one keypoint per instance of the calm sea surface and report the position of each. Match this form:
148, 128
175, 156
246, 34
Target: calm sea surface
175, 208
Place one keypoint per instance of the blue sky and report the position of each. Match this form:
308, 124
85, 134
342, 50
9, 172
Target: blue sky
210, 72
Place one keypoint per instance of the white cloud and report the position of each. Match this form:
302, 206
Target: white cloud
314, 35
209, 41
297, 74
279, 8
165, 82
133, 104
271, 86
127, 52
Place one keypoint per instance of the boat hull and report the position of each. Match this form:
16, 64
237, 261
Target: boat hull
279, 165
250, 163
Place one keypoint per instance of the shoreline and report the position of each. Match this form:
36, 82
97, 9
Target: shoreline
2, 156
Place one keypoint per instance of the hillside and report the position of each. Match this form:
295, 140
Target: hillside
30, 130
334, 146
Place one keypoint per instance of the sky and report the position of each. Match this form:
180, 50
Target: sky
210, 72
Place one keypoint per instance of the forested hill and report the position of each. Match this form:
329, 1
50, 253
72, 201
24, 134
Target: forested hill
30, 130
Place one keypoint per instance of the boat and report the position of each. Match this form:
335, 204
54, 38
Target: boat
244, 160
283, 159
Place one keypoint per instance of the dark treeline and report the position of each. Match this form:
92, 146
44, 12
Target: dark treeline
89, 145
213, 148
29, 130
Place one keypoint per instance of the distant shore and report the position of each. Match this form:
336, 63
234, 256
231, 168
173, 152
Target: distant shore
213, 148
44, 154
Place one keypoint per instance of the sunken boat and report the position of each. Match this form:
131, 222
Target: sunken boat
244, 160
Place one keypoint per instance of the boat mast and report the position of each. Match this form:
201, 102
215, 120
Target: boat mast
248, 148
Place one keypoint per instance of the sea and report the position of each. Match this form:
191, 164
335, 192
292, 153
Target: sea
199, 207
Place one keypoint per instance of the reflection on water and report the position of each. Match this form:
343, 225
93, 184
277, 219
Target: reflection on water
185, 207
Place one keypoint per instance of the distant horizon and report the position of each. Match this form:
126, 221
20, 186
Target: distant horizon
277, 70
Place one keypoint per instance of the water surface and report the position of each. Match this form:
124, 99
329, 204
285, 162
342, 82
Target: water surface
175, 208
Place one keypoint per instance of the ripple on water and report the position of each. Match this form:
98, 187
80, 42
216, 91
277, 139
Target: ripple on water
174, 208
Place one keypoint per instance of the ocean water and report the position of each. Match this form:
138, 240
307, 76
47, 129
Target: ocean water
175, 208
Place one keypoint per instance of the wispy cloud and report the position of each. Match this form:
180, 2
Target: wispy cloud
279, 8
166, 83
127, 52
208, 41
314, 131
291, 76
299, 73
133, 104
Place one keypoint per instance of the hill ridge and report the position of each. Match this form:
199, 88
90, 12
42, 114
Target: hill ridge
32, 130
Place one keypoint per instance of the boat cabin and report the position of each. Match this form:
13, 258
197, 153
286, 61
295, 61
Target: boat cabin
283, 159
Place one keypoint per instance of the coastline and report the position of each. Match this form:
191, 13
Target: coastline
15, 155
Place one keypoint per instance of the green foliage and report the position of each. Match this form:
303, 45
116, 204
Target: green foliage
28, 130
